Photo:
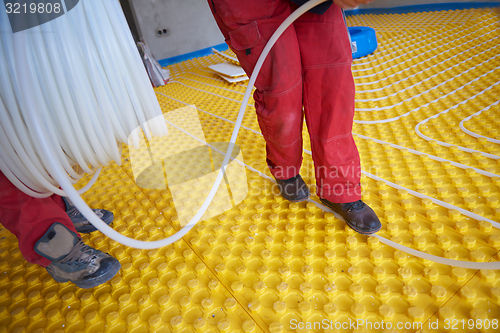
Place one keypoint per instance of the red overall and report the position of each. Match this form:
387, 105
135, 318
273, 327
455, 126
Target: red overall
29, 218
308, 73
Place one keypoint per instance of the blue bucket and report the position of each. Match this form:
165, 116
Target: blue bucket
364, 41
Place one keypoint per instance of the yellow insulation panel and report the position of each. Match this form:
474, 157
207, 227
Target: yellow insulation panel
427, 129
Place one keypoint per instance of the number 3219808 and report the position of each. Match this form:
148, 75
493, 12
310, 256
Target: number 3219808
455, 324
40, 8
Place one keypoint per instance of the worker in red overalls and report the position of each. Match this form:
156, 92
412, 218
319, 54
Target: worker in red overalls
307, 74
47, 230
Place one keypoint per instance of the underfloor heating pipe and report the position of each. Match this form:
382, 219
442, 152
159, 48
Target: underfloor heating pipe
46, 145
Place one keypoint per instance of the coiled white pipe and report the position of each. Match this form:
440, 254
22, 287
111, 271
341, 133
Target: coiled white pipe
95, 84
48, 147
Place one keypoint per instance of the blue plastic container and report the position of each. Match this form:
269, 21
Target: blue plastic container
364, 41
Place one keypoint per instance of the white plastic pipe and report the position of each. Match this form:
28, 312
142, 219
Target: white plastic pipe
47, 147
58, 173
69, 59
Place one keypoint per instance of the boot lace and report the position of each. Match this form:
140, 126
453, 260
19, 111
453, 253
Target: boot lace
75, 212
356, 205
81, 254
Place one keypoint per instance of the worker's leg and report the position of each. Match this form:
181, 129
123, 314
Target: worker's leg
29, 218
329, 103
329, 109
247, 26
47, 237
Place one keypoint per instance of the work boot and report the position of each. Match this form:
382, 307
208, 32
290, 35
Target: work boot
294, 189
357, 215
74, 261
82, 225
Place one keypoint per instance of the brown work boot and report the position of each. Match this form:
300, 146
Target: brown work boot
293, 189
357, 215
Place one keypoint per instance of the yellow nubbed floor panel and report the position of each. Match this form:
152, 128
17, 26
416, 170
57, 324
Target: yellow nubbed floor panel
427, 121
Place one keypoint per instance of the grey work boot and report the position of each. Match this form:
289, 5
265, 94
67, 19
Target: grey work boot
74, 261
82, 225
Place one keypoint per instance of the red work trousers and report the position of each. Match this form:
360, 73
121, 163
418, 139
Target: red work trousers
308, 73
29, 218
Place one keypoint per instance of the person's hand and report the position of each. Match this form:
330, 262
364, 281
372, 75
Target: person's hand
344, 4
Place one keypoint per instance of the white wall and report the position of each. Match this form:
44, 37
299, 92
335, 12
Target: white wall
399, 3
190, 24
